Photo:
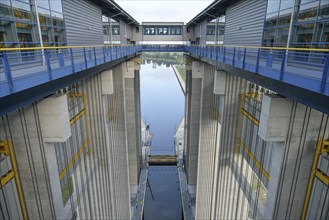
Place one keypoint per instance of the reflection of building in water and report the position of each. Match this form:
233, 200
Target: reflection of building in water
146, 138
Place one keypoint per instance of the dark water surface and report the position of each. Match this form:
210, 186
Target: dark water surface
162, 104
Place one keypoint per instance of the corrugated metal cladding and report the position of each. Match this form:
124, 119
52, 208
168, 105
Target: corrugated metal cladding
244, 23
83, 22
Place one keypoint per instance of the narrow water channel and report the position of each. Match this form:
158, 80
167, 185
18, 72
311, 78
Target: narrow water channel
162, 105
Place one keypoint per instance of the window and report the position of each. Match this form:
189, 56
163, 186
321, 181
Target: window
308, 12
211, 30
285, 17
147, 31
162, 30
273, 6
165, 30
116, 29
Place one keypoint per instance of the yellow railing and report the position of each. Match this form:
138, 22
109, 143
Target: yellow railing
267, 48
74, 158
61, 47
322, 147
208, 45
6, 148
254, 159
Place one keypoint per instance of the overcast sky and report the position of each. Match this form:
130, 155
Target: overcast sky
163, 10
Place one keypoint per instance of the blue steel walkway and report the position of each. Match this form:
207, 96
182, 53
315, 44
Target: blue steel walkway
24, 68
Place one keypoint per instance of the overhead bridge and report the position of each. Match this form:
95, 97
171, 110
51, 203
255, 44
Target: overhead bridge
41, 71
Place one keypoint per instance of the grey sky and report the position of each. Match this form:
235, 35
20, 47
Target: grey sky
163, 10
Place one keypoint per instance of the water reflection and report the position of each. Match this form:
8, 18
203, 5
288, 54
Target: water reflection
162, 105
165, 188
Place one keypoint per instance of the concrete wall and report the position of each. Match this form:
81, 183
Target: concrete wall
89, 133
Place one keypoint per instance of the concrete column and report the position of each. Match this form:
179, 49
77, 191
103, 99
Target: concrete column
294, 130
208, 130
228, 188
193, 97
132, 121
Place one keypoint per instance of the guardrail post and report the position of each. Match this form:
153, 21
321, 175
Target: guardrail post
61, 58
244, 58
104, 54
50, 74
233, 59
269, 59
224, 51
7, 71
257, 62
283, 64
95, 56
90, 57
325, 75
85, 57
111, 52
72, 60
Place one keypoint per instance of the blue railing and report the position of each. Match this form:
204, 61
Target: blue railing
24, 68
305, 68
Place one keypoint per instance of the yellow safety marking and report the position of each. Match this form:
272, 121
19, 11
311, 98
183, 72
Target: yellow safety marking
322, 176
137, 61
325, 147
253, 158
110, 114
4, 149
210, 45
77, 116
238, 126
217, 116
75, 94
6, 178
269, 48
249, 116
85, 104
322, 146
74, 158
11, 153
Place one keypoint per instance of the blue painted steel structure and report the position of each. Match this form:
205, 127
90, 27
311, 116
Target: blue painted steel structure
21, 70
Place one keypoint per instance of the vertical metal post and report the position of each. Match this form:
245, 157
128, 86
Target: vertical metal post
6, 68
325, 75
39, 30
111, 52
104, 54
283, 63
48, 65
312, 176
95, 56
61, 58
244, 58
224, 50
233, 59
85, 57
257, 62
72, 60
17, 179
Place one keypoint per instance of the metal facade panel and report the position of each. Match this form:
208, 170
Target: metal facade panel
245, 22
83, 22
